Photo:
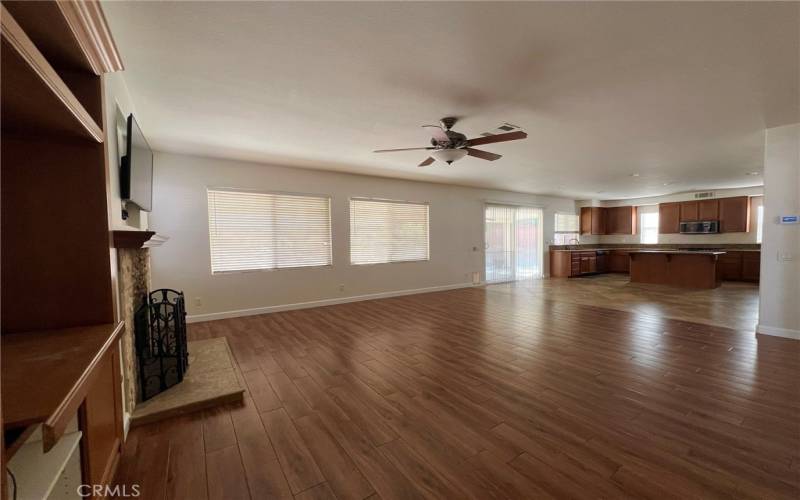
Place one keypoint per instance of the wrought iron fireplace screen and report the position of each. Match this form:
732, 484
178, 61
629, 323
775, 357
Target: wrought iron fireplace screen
160, 330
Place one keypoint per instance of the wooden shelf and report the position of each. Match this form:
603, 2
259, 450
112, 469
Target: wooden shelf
35, 97
46, 375
131, 239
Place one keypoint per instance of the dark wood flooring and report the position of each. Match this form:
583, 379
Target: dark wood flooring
482, 394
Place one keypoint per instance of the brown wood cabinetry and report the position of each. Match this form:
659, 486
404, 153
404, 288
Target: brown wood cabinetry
740, 266
621, 220
565, 263
669, 218
708, 210
689, 211
734, 214
593, 220
730, 266
59, 334
751, 266
619, 261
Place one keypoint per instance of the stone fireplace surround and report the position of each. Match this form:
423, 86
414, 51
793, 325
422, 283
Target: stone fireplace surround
211, 378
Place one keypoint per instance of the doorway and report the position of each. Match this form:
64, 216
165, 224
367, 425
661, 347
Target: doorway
513, 242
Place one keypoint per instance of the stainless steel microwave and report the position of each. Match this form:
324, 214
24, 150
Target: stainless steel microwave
700, 227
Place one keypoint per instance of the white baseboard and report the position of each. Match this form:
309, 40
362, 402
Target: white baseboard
778, 332
196, 318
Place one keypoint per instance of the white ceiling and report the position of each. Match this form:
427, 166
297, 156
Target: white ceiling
679, 93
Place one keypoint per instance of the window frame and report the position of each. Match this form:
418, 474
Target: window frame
556, 232
640, 226
327, 197
388, 200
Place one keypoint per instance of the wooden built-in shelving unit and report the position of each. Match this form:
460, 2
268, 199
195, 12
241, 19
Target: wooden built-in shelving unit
35, 97
60, 358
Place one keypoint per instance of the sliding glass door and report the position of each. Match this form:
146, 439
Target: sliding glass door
513, 243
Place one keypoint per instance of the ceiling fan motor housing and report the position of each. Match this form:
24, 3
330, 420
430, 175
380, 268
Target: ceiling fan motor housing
456, 140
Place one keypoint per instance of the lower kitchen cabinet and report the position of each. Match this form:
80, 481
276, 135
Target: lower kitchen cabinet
619, 261
740, 266
734, 265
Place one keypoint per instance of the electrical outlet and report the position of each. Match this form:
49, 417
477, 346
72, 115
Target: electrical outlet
341, 287
198, 301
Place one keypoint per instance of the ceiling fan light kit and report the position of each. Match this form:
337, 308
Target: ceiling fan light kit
449, 146
449, 155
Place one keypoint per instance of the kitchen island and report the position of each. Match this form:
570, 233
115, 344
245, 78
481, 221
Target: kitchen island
682, 268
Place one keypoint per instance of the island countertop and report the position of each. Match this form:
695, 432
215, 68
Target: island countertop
682, 252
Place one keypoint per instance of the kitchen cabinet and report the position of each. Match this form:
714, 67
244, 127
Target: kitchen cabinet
621, 220
740, 266
593, 220
565, 263
669, 218
730, 266
619, 261
734, 214
689, 211
708, 210
751, 266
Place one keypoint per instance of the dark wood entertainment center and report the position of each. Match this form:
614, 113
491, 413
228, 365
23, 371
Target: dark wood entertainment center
60, 333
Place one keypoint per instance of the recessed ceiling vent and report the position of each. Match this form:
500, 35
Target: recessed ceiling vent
505, 127
705, 194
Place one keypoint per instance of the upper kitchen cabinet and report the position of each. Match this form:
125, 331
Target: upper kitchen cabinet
689, 211
621, 220
734, 214
669, 218
593, 220
708, 210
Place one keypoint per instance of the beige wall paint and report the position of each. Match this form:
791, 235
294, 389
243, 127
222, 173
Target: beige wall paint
779, 310
725, 238
180, 212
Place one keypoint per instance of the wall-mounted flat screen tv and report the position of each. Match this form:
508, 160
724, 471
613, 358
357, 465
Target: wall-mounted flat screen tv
136, 171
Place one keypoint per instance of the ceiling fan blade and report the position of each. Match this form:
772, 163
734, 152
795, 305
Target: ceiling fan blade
401, 149
489, 139
427, 162
437, 132
483, 155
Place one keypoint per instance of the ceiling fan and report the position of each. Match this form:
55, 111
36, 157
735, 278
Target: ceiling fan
449, 146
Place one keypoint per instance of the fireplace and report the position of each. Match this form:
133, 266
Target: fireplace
160, 339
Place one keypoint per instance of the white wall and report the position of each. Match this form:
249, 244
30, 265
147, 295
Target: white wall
118, 105
180, 212
779, 310
722, 238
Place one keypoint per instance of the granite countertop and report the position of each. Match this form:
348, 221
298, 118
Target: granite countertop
678, 251
737, 247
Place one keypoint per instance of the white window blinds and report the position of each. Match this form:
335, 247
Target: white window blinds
251, 230
567, 223
388, 231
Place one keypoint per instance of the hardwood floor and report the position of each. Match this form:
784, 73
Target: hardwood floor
484, 393
734, 304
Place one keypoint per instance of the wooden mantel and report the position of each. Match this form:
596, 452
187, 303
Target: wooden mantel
137, 239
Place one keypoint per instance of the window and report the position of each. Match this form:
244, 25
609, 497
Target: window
250, 230
388, 231
567, 229
759, 223
648, 224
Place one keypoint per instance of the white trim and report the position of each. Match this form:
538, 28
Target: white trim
126, 425
778, 332
195, 318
